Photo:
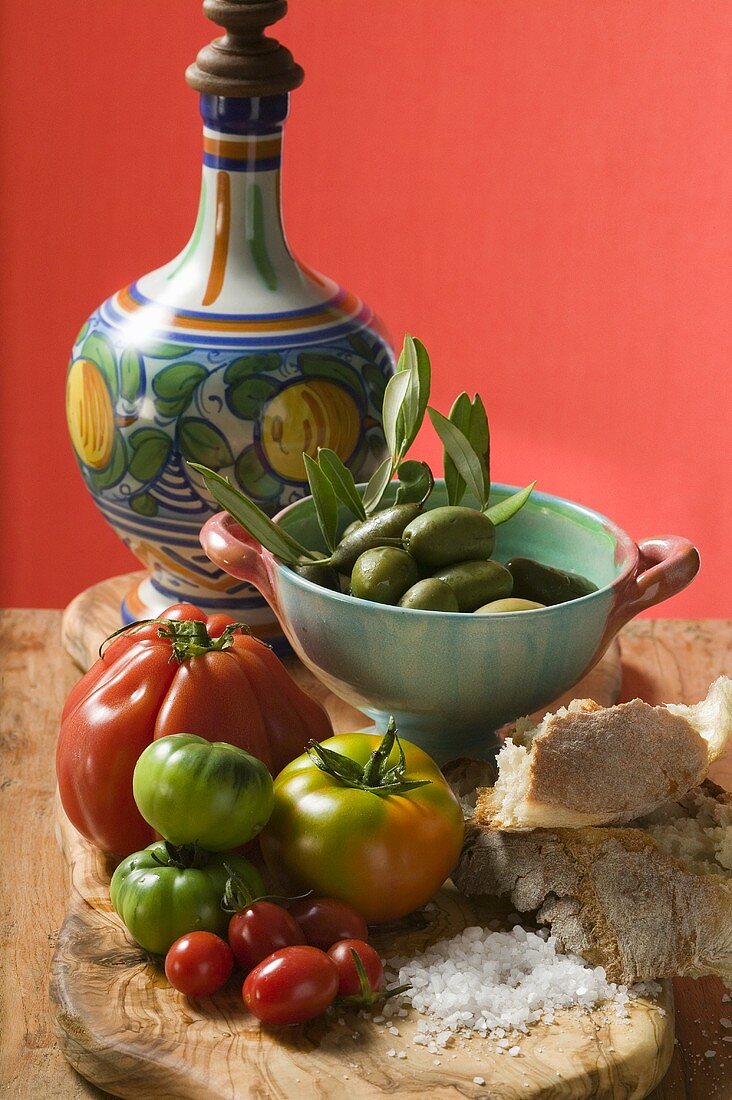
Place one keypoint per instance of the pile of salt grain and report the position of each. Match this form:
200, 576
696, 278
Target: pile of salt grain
498, 984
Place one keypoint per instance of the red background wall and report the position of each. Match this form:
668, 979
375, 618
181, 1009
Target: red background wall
539, 189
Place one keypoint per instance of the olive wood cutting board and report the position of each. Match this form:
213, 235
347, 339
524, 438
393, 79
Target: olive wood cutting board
123, 1027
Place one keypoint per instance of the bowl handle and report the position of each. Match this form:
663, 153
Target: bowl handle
665, 566
240, 555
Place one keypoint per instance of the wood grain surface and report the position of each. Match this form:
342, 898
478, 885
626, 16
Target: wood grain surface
122, 1026
662, 660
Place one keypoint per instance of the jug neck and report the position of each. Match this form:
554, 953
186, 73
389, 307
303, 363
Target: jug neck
239, 238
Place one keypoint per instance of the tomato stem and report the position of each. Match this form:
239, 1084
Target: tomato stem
238, 896
182, 855
376, 776
188, 637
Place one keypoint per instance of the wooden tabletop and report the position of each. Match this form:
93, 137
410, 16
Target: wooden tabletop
663, 661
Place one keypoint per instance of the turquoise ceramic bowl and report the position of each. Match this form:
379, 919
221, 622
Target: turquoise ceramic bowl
452, 679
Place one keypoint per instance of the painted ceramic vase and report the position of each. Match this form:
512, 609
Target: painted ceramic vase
233, 355
451, 680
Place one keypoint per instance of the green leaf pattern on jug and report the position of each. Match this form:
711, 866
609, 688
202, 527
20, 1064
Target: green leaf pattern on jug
254, 478
171, 403
150, 450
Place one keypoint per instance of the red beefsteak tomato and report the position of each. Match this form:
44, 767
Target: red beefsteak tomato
182, 673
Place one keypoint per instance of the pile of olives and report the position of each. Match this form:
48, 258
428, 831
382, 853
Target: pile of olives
439, 560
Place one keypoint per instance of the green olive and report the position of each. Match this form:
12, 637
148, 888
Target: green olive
352, 527
448, 535
383, 574
430, 595
545, 584
510, 603
323, 575
477, 582
370, 533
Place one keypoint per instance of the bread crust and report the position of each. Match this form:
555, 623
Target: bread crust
611, 895
589, 765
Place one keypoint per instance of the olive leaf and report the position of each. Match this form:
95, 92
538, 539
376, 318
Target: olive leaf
415, 482
471, 419
325, 501
415, 360
376, 487
507, 508
459, 416
459, 448
394, 399
341, 478
253, 519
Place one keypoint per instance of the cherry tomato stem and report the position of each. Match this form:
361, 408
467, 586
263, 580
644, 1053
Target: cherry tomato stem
349, 980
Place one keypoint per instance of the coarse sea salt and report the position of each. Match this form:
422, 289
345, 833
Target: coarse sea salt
500, 983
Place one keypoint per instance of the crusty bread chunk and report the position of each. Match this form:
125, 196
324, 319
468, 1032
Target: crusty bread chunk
644, 902
592, 765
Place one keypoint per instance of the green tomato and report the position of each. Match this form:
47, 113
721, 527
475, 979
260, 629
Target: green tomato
194, 791
161, 900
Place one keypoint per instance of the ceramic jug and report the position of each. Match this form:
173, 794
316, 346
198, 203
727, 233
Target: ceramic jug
234, 354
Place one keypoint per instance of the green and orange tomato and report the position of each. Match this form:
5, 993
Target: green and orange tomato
371, 822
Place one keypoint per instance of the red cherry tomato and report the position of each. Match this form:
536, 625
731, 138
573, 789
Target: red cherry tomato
261, 929
348, 982
292, 986
198, 964
327, 920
